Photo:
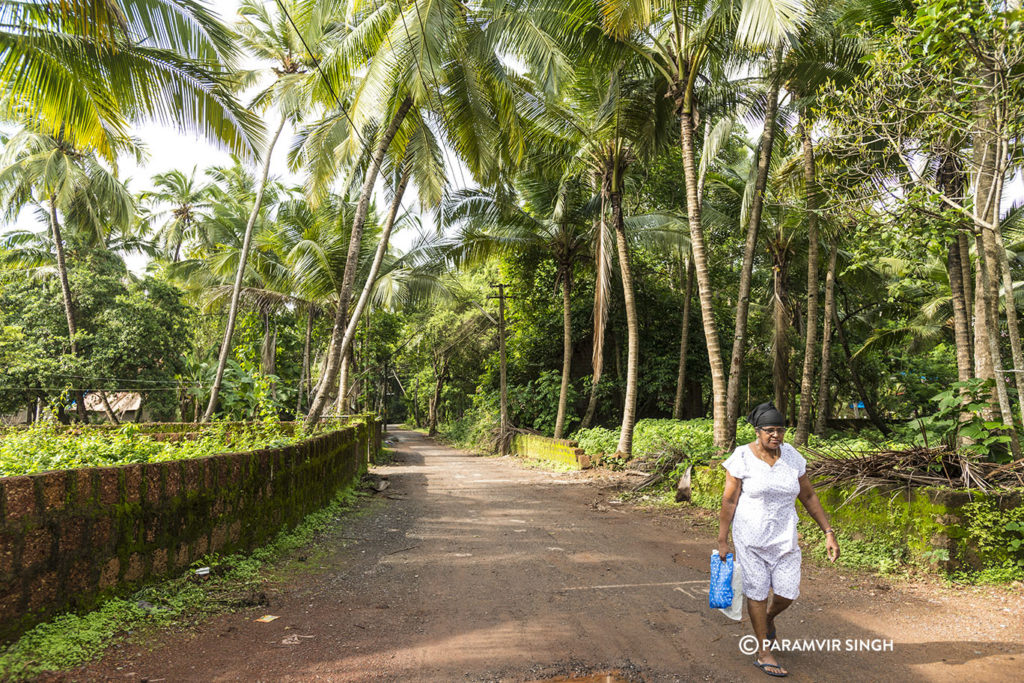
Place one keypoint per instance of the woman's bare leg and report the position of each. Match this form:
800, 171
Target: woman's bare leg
757, 610
777, 606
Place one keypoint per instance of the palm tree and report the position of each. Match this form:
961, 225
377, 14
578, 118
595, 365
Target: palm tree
447, 62
83, 69
687, 41
618, 117
821, 54
277, 40
550, 214
51, 172
185, 200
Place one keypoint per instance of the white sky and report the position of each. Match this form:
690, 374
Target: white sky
171, 149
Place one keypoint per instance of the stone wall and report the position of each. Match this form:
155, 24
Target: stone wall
922, 520
562, 451
73, 537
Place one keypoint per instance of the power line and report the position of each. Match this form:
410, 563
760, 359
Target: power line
326, 80
437, 84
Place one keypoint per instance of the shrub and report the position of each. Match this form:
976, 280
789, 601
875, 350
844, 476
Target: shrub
597, 440
695, 438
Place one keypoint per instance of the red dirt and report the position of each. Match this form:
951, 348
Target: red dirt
479, 569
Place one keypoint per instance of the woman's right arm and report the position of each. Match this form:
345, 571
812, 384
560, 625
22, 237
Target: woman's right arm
730, 496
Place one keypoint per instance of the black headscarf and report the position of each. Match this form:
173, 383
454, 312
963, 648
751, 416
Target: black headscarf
766, 415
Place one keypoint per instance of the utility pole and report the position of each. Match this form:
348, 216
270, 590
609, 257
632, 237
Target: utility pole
502, 442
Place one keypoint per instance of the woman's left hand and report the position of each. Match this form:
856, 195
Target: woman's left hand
832, 547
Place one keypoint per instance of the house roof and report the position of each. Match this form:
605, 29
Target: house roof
120, 401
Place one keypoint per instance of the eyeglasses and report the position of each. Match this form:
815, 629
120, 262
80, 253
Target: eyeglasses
774, 430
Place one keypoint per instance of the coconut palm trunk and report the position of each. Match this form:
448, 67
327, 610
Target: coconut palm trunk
821, 423
951, 181
364, 295
700, 260
625, 447
677, 406
236, 291
739, 342
961, 324
338, 333
781, 325
563, 393
803, 422
65, 290
600, 316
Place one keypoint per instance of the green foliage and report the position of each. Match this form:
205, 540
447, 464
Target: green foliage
959, 417
997, 534
71, 640
535, 404
42, 447
597, 440
695, 438
884, 552
476, 428
131, 335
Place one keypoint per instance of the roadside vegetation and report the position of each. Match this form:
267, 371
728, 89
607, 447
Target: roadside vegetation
234, 582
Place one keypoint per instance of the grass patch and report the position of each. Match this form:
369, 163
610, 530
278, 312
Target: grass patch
541, 464
70, 640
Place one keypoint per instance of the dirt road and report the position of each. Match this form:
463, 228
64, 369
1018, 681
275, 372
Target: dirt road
479, 569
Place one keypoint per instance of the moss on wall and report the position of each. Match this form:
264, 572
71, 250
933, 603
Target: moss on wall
935, 528
73, 537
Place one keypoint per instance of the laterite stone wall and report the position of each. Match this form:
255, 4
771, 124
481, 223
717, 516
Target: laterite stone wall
562, 451
924, 519
71, 538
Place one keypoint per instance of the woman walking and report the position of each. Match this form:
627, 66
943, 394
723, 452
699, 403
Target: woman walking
763, 480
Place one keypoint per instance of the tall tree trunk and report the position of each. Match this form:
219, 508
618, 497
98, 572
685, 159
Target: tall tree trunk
378, 259
69, 311
1012, 326
982, 351
236, 291
700, 258
602, 256
739, 342
951, 181
961, 324
352, 263
987, 195
339, 401
563, 392
503, 437
304, 375
677, 406
803, 422
625, 446
963, 242
268, 352
780, 333
829, 314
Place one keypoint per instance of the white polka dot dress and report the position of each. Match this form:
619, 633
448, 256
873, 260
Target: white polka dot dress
764, 525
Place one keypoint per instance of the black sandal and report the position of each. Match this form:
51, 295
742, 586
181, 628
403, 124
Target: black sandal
765, 667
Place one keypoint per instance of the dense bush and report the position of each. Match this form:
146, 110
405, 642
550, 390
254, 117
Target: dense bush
43, 447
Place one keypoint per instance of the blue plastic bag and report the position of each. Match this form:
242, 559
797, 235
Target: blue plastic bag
720, 593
